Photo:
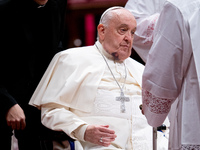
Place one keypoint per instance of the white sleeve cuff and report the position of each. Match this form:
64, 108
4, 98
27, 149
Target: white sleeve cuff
80, 132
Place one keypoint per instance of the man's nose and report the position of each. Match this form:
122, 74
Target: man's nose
128, 37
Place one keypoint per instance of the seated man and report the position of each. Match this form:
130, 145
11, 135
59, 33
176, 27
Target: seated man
93, 93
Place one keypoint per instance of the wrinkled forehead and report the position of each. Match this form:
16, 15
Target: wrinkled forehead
124, 14
125, 18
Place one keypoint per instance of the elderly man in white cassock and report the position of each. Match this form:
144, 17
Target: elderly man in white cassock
171, 77
93, 93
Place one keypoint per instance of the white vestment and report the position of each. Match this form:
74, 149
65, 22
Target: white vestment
78, 89
146, 13
172, 73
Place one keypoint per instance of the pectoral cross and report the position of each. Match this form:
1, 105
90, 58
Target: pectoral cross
122, 99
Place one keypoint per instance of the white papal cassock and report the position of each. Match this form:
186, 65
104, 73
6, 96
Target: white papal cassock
173, 72
78, 89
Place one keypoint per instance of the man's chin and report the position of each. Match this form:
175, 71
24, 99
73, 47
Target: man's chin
41, 2
120, 59
121, 56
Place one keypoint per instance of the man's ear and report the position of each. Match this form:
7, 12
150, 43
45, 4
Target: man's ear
101, 32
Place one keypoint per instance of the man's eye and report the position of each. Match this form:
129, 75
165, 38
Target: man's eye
122, 30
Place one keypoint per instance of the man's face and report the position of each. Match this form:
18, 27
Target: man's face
41, 2
117, 37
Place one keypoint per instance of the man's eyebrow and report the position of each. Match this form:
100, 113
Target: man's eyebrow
125, 25
122, 25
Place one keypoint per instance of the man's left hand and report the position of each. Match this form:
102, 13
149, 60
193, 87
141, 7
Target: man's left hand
100, 135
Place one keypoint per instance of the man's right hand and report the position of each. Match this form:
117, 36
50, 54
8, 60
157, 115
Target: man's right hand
16, 118
100, 135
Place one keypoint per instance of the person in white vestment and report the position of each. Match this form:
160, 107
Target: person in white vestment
172, 73
146, 14
93, 93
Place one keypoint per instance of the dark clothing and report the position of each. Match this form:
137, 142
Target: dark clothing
29, 38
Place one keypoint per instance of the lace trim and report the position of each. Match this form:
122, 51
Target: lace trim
149, 31
190, 147
156, 104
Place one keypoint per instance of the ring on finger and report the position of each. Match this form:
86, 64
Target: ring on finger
101, 140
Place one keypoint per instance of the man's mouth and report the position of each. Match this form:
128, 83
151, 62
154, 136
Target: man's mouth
125, 45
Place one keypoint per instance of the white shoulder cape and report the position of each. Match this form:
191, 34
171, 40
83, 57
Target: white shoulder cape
74, 75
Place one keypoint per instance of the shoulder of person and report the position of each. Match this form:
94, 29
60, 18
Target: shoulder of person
135, 65
134, 62
76, 50
77, 55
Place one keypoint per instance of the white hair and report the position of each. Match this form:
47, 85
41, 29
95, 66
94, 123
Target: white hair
107, 15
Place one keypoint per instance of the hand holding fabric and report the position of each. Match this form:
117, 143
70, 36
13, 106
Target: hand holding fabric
15, 118
100, 135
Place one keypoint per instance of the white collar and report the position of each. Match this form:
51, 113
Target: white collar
105, 53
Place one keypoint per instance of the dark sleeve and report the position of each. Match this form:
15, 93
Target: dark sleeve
7, 101
62, 4
4, 4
